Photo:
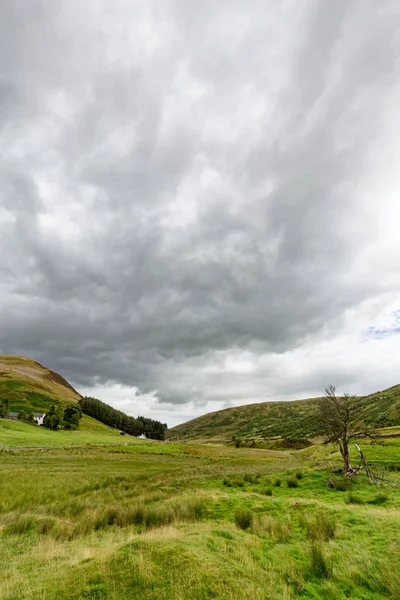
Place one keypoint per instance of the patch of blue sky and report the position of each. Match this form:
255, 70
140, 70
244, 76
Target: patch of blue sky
389, 328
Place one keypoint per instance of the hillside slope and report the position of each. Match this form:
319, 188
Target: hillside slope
28, 385
285, 420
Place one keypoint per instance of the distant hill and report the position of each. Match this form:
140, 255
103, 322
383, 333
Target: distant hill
28, 385
294, 420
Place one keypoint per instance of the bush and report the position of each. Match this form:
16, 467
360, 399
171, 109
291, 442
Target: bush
22, 524
321, 526
342, 486
280, 530
292, 482
266, 492
157, 517
380, 498
319, 566
277, 483
21, 416
227, 482
136, 516
353, 499
191, 509
299, 475
249, 478
243, 518
393, 467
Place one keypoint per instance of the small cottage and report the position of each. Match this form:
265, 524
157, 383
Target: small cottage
39, 417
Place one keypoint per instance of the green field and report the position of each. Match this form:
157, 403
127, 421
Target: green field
165, 521
18, 434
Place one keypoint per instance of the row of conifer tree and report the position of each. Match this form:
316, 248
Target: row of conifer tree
115, 418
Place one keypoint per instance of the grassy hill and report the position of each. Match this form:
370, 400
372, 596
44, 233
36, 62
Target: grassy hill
29, 386
283, 420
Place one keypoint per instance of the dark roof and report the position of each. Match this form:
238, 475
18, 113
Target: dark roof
15, 414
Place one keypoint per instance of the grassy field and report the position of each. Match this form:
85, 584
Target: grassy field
176, 521
18, 434
255, 423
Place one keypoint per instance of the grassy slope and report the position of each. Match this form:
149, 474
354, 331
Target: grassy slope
283, 419
15, 434
158, 522
29, 385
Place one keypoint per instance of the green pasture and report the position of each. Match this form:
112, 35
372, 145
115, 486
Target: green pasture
177, 521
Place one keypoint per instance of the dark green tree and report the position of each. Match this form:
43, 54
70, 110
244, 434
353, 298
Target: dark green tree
22, 416
53, 418
30, 418
115, 418
3, 407
72, 416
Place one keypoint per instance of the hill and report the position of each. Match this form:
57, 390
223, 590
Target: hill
294, 420
28, 385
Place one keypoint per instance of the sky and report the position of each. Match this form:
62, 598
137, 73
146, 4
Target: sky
200, 201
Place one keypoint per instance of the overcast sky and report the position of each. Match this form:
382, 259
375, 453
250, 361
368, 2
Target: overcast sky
200, 201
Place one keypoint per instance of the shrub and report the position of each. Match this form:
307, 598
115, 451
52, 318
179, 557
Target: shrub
22, 524
319, 565
342, 486
249, 478
353, 499
157, 517
380, 498
192, 509
243, 518
321, 526
277, 483
137, 515
227, 482
393, 467
292, 482
299, 475
266, 492
41, 525
280, 530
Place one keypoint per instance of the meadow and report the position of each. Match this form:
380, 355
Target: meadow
162, 520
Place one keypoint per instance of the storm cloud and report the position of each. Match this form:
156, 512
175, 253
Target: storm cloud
199, 202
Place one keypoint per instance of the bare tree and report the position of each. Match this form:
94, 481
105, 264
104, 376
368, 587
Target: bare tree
340, 420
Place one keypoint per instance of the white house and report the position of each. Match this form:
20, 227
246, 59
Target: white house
39, 418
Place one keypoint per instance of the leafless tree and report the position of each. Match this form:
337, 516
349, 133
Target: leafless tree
340, 420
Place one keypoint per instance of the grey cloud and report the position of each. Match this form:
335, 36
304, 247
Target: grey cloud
184, 183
